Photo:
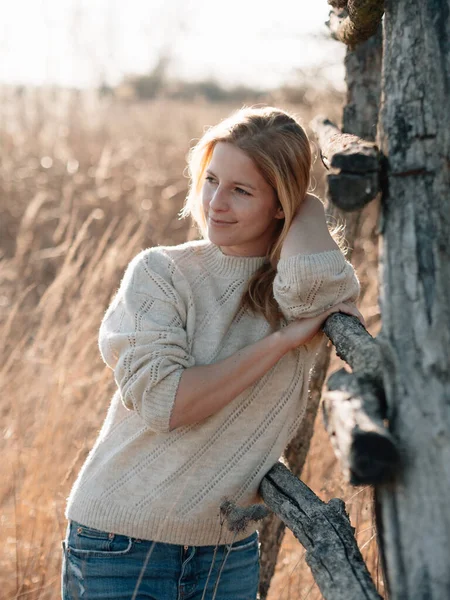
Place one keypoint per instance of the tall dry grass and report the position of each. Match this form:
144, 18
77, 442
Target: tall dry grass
85, 183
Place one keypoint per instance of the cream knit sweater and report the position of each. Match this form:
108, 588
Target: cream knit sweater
177, 306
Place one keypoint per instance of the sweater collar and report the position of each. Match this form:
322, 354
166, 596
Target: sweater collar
225, 265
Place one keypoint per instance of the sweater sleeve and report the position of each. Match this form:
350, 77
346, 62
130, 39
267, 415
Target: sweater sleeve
308, 284
143, 338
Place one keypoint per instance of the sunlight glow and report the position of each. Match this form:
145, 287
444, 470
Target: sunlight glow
76, 42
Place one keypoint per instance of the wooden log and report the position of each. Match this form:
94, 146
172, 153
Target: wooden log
325, 531
355, 164
355, 408
366, 450
361, 22
355, 346
344, 150
350, 191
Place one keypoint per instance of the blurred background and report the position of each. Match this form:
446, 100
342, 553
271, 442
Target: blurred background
104, 43
100, 102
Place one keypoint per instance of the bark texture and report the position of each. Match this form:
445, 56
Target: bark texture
415, 295
325, 531
363, 79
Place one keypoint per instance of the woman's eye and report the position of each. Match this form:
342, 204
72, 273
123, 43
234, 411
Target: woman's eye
209, 179
243, 192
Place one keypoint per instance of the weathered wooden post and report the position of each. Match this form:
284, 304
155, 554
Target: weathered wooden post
415, 295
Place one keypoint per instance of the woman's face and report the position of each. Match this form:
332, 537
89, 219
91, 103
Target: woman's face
241, 208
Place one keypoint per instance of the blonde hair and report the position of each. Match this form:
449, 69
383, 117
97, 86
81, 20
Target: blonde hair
280, 149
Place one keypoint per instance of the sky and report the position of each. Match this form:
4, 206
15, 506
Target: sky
83, 42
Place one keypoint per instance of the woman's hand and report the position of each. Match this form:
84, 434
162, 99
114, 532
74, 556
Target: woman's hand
301, 331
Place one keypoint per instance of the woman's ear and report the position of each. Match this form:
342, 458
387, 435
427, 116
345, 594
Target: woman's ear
280, 213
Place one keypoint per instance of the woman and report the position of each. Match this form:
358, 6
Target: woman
211, 344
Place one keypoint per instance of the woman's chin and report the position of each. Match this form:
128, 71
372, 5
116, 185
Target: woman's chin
218, 238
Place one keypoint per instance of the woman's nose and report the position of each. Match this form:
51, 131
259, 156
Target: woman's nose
219, 199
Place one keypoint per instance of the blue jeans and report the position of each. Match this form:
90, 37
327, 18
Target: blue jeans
99, 565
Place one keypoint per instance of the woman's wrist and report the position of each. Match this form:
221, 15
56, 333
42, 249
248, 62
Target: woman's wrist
278, 343
285, 340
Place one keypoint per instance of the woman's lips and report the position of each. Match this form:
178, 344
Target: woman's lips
221, 223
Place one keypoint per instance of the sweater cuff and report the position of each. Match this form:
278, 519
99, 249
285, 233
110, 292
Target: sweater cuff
160, 406
301, 268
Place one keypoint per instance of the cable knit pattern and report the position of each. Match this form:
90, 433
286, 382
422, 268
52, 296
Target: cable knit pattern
178, 306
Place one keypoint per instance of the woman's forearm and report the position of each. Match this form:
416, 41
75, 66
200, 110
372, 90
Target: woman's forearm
205, 389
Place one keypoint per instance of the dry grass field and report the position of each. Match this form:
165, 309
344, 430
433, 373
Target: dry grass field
85, 184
